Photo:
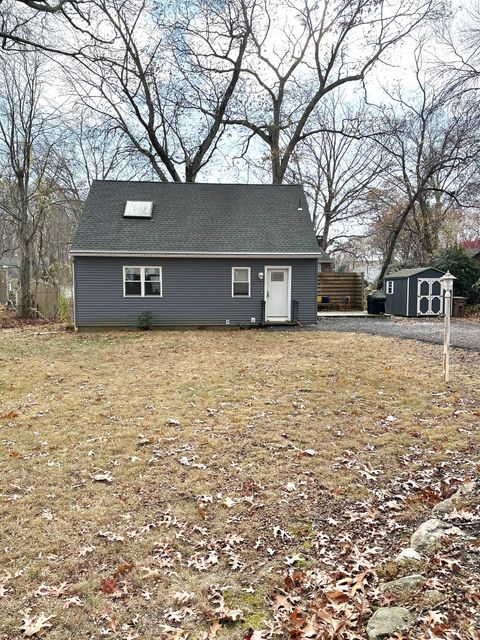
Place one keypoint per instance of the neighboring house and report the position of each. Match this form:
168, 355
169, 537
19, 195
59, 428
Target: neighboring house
472, 248
414, 292
195, 254
8, 273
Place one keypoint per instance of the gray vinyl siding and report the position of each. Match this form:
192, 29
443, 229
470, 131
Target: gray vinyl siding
196, 291
396, 302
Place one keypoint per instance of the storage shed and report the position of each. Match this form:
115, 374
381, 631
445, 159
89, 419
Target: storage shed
414, 292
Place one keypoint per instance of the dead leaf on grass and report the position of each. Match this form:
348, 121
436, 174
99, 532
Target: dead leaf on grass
290, 560
255, 635
111, 537
46, 590
173, 633
182, 597
3, 591
33, 625
73, 601
213, 630
111, 587
103, 476
280, 533
84, 550
9, 415
123, 569
150, 573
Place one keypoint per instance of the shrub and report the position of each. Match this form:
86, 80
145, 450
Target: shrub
465, 269
144, 321
65, 310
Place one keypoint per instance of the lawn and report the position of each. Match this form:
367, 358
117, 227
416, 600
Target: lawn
220, 484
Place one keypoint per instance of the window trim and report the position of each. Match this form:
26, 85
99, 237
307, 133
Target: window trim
142, 280
249, 270
390, 287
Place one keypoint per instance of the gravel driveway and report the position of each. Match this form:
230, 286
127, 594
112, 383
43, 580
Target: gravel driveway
464, 334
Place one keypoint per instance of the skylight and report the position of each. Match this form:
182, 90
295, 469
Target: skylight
138, 209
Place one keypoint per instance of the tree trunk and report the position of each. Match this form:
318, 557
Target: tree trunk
25, 303
326, 229
393, 241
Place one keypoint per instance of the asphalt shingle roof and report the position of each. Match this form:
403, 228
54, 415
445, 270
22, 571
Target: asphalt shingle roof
406, 273
197, 218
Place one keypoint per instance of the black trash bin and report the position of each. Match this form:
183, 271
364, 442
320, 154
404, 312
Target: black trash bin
376, 302
458, 306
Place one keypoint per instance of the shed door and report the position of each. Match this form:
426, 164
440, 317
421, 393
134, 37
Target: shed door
277, 294
429, 297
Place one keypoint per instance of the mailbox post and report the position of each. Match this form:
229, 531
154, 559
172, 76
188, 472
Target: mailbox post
447, 285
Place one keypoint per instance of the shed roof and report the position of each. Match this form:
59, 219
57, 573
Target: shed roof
406, 273
205, 219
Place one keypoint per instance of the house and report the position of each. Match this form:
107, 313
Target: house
472, 248
414, 292
195, 254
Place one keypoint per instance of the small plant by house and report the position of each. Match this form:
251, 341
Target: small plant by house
144, 321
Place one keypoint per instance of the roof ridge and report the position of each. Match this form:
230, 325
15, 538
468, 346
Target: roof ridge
203, 184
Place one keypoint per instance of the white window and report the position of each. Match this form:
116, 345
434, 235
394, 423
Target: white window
240, 282
142, 282
389, 286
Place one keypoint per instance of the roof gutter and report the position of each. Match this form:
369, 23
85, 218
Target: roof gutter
194, 254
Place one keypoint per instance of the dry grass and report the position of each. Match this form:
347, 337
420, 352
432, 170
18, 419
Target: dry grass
247, 405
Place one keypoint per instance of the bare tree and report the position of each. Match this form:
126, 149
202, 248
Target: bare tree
166, 79
338, 166
300, 52
96, 151
30, 166
38, 25
458, 48
432, 145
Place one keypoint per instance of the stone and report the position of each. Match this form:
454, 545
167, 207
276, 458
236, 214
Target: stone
408, 554
464, 490
430, 532
444, 507
450, 504
403, 584
388, 620
433, 597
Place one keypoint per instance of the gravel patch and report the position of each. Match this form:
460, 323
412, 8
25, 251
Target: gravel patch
464, 334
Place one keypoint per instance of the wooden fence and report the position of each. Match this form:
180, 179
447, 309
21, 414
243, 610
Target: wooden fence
44, 298
342, 290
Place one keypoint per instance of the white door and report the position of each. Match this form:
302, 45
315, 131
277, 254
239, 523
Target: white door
429, 297
277, 297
